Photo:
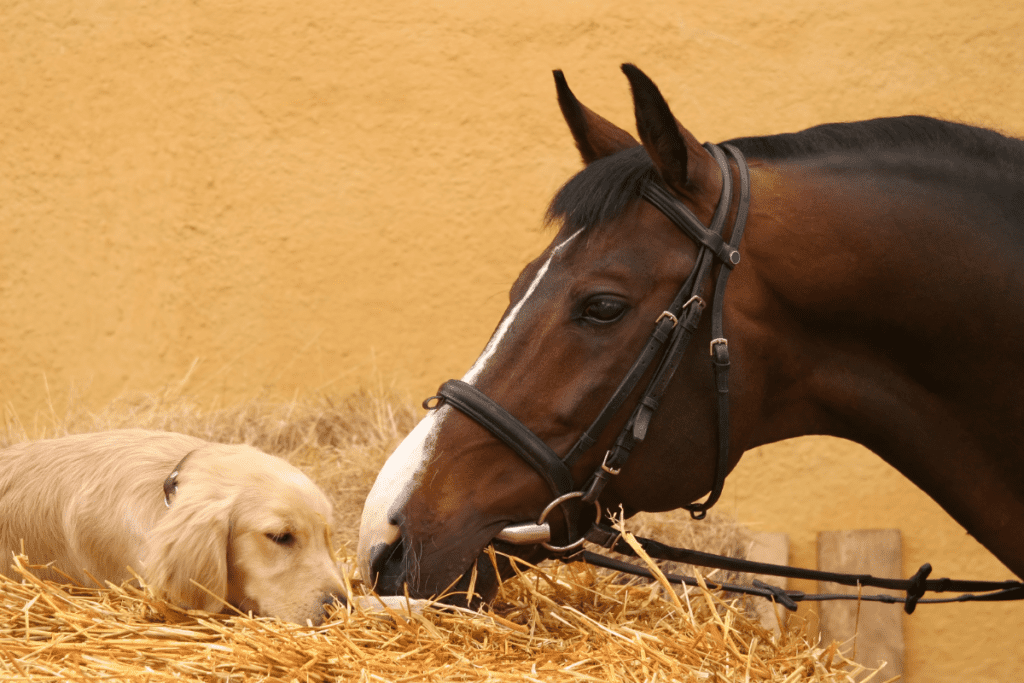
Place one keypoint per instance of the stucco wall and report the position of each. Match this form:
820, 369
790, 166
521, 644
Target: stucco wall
320, 195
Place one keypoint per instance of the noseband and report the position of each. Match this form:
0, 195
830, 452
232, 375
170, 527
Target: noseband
676, 327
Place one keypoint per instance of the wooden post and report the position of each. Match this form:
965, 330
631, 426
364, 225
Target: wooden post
868, 632
773, 548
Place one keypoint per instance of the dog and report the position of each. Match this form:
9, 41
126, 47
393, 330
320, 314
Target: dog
247, 526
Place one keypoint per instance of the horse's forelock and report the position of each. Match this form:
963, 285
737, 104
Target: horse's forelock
602, 191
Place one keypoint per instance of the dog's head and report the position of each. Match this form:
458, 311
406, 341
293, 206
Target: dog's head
251, 530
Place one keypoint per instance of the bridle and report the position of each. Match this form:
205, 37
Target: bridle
675, 328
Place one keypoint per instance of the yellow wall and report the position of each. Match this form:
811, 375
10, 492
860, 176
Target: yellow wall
320, 194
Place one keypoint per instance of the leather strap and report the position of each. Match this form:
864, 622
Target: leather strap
915, 587
636, 428
685, 219
510, 431
517, 436
720, 346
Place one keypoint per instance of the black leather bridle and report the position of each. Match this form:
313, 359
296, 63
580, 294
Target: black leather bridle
674, 327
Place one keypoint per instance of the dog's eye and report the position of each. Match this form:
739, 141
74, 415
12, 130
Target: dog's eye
284, 539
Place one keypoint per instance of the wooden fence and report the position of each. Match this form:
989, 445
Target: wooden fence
868, 632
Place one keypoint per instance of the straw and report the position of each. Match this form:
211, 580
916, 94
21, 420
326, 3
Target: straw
549, 623
576, 624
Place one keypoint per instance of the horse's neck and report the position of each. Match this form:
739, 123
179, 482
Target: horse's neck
888, 281
894, 315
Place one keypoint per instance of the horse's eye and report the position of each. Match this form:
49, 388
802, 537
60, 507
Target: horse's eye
604, 309
285, 539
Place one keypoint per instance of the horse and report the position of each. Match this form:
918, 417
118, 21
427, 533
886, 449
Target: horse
876, 294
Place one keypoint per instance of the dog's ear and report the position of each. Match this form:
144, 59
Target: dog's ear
190, 543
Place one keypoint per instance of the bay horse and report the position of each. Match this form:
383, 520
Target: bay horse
879, 298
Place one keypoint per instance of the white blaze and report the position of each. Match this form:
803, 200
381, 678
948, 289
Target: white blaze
397, 478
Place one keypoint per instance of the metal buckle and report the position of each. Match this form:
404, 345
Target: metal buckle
675, 321
666, 314
604, 465
691, 300
720, 340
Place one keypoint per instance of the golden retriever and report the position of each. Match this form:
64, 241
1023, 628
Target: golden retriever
249, 527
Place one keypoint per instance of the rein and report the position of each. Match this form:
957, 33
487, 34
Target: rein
676, 327
915, 587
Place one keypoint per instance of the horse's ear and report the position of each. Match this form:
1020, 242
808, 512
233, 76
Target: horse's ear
683, 163
595, 136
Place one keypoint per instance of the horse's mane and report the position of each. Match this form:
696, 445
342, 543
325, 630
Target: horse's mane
902, 133
602, 191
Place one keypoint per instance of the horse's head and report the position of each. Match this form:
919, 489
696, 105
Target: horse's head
578, 317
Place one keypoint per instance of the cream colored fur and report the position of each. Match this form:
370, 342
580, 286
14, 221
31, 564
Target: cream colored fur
93, 504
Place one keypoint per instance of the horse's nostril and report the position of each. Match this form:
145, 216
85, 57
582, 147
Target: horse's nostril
387, 567
378, 557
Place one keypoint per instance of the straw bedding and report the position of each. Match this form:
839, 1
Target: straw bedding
553, 623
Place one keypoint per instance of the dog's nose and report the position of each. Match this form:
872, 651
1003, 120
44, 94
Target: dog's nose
329, 602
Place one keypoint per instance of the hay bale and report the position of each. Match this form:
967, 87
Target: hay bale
551, 623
